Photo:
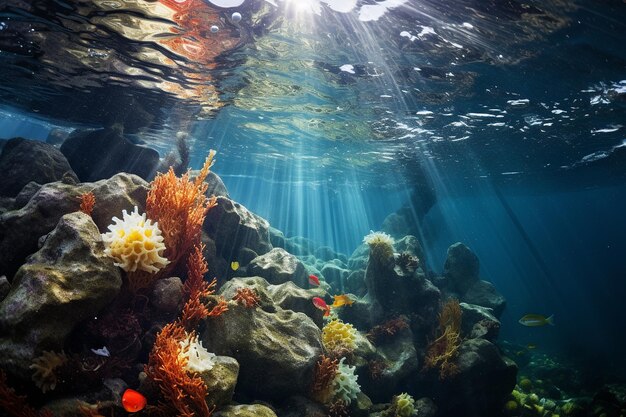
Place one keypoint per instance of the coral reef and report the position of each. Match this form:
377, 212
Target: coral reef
402, 405
345, 385
443, 351
388, 329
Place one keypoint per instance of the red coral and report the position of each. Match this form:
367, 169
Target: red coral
325, 371
388, 329
247, 296
87, 202
15, 405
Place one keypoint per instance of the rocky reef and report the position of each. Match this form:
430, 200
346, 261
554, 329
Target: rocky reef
83, 320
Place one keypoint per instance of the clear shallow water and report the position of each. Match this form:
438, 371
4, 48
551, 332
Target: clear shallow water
510, 114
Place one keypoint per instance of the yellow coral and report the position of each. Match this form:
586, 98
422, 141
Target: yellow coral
44, 367
135, 243
337, 336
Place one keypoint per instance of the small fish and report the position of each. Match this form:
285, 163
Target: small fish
535, 320
234, 265
313, 280
133, 401
321, 304
103, 351
342, 300
531, 346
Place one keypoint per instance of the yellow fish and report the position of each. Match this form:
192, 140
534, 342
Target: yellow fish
531, 346
535, 320
342, 300
234, 265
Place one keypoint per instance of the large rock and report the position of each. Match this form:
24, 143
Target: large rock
277, 267
21, 229
221, 380
102, 153
233, 227
68, 280
479, 321
252, 410
277, 351
484, 294
23, 161
481, 387
461, 268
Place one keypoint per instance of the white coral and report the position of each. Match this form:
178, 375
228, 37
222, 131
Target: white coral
198, 358
345, 385
135, 243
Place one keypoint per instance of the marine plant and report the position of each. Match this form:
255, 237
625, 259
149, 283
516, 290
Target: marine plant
248, 297
442, 351
380, 243
15, 405
135, 243
87, 203
338, 336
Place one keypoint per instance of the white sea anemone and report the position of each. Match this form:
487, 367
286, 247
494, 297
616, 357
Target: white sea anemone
377, 238
198, 358
135, 243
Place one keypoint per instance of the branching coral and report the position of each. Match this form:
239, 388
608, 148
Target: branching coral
387, 329
197, 290
325, 372
180, 206
247, 297
338, 336
44, 368
15, 405
183, 391
87, 203
443, 351
169, 364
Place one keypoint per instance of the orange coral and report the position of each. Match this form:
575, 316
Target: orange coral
180, 206
15, 405
247, 296
197, 289
184, 392
325, 372
87, 202
443, 351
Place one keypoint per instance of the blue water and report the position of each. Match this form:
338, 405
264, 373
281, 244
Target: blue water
517, 124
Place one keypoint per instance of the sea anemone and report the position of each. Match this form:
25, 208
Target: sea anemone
380, 243
135, 243
44, 368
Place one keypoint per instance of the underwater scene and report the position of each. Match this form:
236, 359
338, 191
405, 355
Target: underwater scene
313, 208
